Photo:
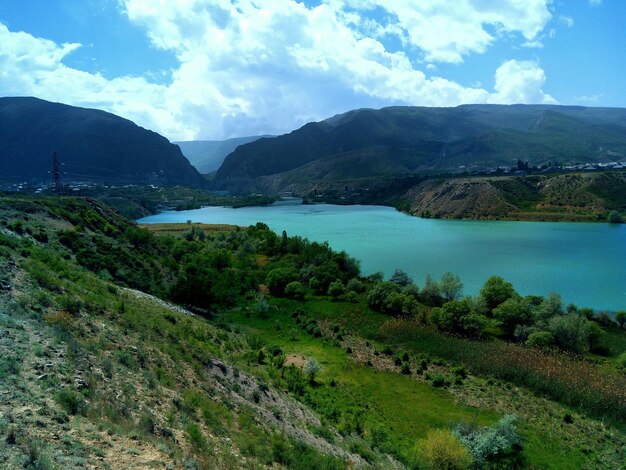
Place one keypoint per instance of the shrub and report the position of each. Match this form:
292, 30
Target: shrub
540, 339
439, 380
378, 294
621, 361
440, 449
571, 332
295, 290
511, 313
355, 285
262, 307
488, 444
614, 217
335, 289
311, 369
71, 402
457, 316
352, 297
278, 279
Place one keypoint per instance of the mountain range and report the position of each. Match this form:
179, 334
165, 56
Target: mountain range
208, 155
369, 143
92, 145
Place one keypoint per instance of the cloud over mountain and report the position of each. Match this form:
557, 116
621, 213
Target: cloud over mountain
248, 67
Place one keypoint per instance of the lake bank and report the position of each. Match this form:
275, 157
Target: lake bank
585, 263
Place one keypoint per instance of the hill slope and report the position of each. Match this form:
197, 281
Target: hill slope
568, 197
400, 140
208, 155
92, 145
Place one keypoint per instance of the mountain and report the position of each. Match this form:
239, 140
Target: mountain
208, 155
92, 145
406, 140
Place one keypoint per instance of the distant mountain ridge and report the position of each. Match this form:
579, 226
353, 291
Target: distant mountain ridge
92, 145
208, 155
405, 140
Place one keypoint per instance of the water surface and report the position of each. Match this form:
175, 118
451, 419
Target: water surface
584, 262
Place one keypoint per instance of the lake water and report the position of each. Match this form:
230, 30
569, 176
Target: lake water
584, 262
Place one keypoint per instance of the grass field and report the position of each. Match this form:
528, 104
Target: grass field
409, 405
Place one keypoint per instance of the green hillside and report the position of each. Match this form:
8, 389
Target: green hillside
190, 346
408, 140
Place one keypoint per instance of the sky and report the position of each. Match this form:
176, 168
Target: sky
215, 69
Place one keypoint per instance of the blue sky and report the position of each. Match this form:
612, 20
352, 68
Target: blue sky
212, 69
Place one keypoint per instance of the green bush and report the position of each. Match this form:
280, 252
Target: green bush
355, 285
621, 361
540, 339
440, 449
491, 443
335, 289
72, 402
278, 279
295, 290
495, 291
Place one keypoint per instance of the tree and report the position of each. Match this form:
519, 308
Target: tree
614, 217
379, 292
451, 286
295, 290
510, 313
457, 316
551, 307
355, 285
431, 292
401, 278
620, 317
571, 332
277, 280
336, 289
540, 339
495, 291
311, 369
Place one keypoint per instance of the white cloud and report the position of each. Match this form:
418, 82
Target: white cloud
595, 2
267, 67
567, 21
520, 82
588, 99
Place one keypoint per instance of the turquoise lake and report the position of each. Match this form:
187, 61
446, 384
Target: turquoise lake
584, 262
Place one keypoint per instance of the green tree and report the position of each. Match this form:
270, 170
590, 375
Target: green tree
431, 292
614, 217
277, 280
540, 339
295, 290
311, 369
458, 317
551, 307
571, 332
378, 294
336, 289
401, 278
451, 286
495, 291
620, 318
510, 313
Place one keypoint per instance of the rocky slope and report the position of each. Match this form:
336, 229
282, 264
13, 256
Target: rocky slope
579, 197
